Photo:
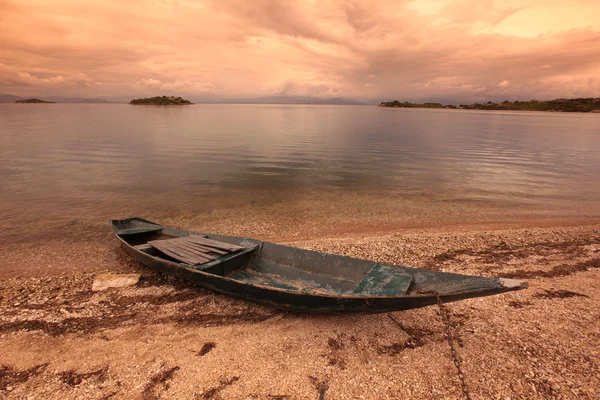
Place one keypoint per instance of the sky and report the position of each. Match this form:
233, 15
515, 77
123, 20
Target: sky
414, 50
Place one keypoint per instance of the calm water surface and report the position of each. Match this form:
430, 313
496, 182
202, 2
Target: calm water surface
66, 162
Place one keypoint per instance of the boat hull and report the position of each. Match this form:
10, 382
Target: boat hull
308, 301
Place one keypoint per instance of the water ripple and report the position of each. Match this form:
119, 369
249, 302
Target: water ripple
70, 155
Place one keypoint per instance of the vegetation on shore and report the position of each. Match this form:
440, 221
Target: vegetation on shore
406, 104
564, 105
161, 101
33, 101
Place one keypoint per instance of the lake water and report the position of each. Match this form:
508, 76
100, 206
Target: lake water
65, 163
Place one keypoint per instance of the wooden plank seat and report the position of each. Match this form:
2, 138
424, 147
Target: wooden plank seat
194, 249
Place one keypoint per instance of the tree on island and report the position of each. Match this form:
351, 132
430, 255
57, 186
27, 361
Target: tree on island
406, 104
161, 101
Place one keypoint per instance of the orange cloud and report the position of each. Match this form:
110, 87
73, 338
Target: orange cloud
420, 49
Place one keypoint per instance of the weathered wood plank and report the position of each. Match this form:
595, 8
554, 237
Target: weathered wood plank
215, 243
170, 253
185, 250
179, 256
194, 249
177, 246
202, 241
193, 252
206, 249
188, 256
187, 245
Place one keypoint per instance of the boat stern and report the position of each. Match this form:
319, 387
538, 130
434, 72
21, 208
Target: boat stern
135, 225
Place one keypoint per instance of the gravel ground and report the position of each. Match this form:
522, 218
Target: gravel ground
166, 339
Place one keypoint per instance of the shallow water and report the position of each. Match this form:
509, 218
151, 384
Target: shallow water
65, 163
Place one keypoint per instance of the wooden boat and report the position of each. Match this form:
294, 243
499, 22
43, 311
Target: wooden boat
295, 279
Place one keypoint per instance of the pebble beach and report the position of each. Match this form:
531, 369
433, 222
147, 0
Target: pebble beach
163, 338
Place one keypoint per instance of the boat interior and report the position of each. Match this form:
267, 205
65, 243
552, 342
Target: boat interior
268, 264
278, 266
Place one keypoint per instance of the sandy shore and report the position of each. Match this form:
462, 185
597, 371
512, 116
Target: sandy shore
165, 339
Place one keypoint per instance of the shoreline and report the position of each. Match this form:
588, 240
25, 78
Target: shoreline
61, 340
483, 109
52, 254
585, 105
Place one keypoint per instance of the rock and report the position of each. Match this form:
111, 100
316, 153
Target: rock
105, 281
556, 387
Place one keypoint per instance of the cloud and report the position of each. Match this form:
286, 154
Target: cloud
417, 49
10, 76
178, 85
293, 88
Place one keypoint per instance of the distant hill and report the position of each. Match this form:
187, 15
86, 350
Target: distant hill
61, 99
406, 104
161, 101
33, 101
561, 105
9, 98
300, 100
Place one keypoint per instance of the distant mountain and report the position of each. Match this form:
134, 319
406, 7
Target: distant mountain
59, 99
301, 100
276, 99
9, 98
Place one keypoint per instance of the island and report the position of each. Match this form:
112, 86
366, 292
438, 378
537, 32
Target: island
161, 101
28, 101
590, 104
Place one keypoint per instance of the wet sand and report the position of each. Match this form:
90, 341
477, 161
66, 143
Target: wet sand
166, 339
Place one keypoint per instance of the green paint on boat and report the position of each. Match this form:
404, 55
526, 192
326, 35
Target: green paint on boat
384, 281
